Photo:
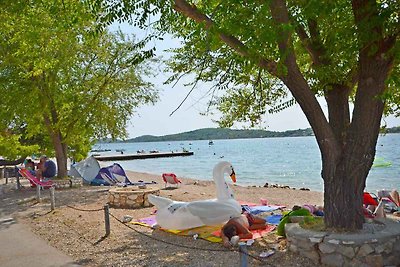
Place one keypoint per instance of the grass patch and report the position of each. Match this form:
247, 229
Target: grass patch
313, 223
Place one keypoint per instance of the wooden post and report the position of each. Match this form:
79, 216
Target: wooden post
243, 254
52, 200
38, 193
18, 182
107, 219
6, 174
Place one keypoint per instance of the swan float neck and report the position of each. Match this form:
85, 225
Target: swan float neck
223, 189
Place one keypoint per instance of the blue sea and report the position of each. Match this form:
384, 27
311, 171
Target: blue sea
292, 161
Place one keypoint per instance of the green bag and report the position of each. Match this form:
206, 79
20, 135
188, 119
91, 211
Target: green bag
285, 219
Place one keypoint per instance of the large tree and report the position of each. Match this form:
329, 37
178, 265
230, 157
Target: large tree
260, 52
63, 82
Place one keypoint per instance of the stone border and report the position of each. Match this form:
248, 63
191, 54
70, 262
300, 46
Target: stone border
68, 183
131, 197
375, 248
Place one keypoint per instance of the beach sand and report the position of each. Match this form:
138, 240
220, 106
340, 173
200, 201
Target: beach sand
79, 233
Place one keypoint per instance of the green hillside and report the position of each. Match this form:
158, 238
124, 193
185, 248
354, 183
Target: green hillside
225, 133
220, 133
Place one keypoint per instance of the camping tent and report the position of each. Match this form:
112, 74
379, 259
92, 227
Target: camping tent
115, 172
88, 169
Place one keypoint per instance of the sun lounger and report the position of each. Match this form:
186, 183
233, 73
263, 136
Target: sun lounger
170, 178
34, 180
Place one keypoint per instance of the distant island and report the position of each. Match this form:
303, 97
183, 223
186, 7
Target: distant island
225, 133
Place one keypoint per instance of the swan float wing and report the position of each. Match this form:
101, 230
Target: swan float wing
159, 202
213, 211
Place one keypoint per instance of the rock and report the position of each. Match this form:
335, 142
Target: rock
127, 218
326, 248
365, 250
332, 259
374, 260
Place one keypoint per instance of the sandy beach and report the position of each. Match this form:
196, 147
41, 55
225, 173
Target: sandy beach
80, 233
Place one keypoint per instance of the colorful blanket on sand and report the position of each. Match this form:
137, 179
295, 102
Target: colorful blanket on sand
209, 233
260, 209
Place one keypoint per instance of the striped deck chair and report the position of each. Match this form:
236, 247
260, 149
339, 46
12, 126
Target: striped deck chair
34, 180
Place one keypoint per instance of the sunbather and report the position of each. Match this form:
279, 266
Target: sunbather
46, 168
314, 209
392, 195
241, 226
378, 210
30, 166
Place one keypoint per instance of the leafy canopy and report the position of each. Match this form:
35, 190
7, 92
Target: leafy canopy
60, 77
242, 90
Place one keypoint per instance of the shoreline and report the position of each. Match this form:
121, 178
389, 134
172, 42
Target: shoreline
251, 193
265, 185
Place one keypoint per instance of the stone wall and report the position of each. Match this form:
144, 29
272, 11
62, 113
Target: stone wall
68, 183
130, 197
377, 246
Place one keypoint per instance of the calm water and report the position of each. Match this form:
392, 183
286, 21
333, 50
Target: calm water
294, 161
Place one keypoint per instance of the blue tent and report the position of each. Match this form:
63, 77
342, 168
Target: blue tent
116, 174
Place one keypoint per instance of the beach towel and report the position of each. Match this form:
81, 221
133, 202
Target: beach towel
203, 232
256, 233
209, 233
259, 209
274, 219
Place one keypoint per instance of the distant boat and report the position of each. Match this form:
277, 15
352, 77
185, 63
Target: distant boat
100, 150
210, 142
120, 150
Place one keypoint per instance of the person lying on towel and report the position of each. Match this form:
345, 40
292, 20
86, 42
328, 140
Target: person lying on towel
239, 228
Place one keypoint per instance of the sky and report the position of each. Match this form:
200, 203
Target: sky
156, 119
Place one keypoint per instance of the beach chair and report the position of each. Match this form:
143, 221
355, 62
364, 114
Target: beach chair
389, 203
171, 179
383, 203
34, 180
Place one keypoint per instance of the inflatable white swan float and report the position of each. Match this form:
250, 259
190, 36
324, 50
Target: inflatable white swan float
184, 215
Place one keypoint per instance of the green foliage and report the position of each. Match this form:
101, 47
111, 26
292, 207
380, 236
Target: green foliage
241, 90
62, 79
11, 147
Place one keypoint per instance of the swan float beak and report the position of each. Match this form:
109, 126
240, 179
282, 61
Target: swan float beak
233, 176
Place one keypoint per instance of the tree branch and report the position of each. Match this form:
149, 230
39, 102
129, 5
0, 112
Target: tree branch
299, 87
192, 12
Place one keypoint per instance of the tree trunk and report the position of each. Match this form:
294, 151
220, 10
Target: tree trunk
61, 156
344, 183
345, 178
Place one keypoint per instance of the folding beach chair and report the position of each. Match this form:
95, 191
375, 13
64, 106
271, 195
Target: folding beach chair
171, 179
389, 203
382, 203
34, 180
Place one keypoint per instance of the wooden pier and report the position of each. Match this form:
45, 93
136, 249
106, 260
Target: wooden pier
142, 156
